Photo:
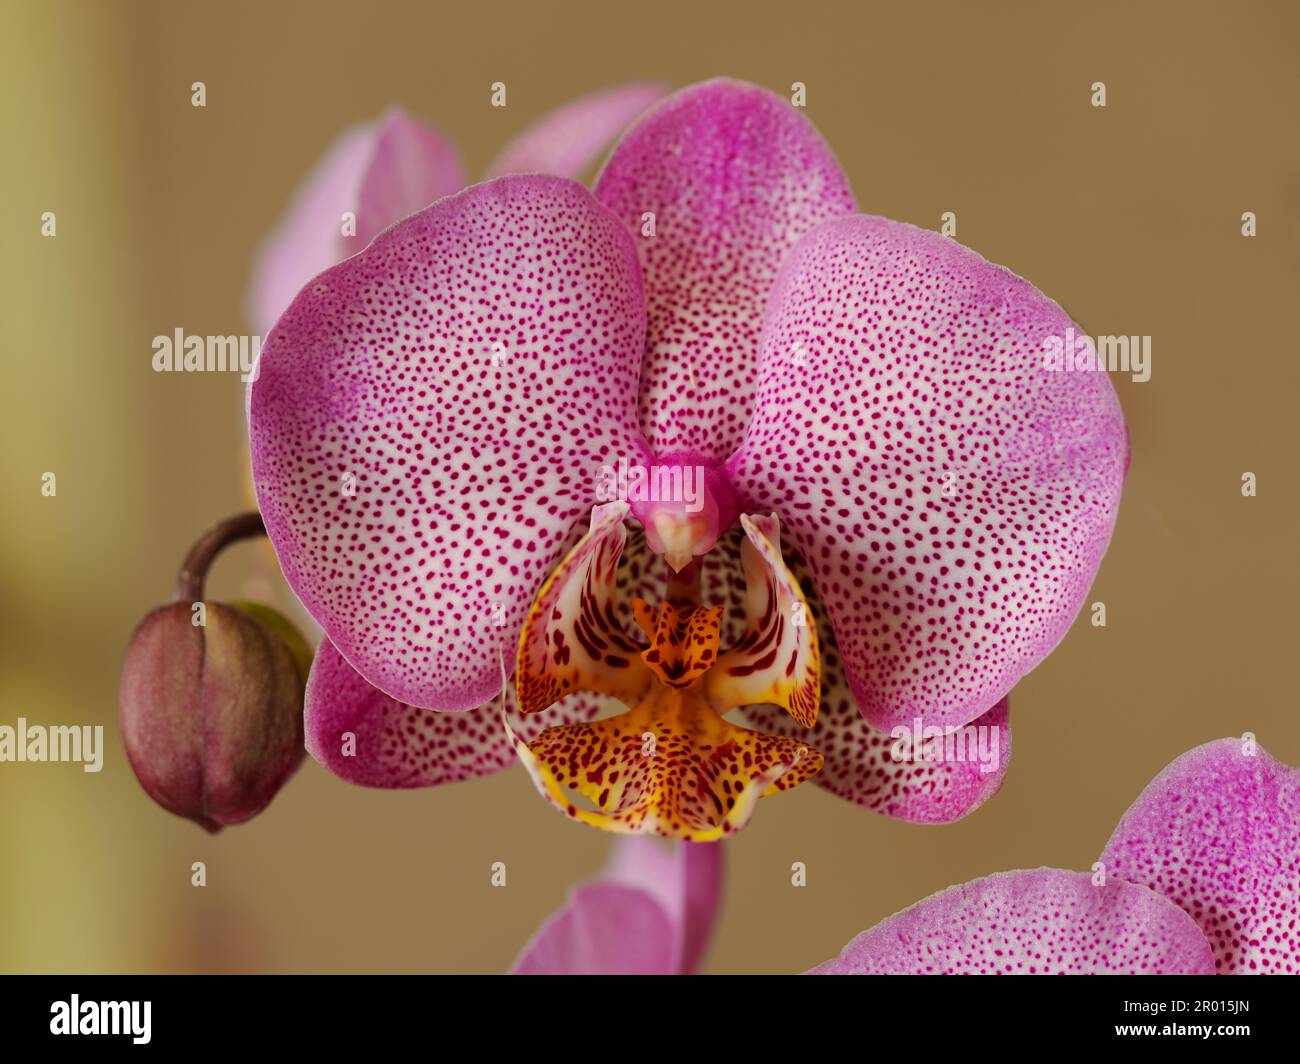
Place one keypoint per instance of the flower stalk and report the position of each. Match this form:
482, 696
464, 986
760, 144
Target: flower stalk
193, 573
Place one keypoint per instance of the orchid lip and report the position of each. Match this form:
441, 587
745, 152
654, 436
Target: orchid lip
671, 765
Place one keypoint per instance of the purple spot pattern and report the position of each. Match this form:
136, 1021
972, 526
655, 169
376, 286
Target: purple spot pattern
399, 745
733, 175
952, 497
858, 763
1040, 922
1218, 832
920, 364
429, 420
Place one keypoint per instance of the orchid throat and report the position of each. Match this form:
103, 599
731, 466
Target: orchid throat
670, 765
683, 504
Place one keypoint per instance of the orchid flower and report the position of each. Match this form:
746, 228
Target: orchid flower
1201, 875
379, 172
218, 752
858, 500
651, 912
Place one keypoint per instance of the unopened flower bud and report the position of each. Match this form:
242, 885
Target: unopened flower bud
210, 703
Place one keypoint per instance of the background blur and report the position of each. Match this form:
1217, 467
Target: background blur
1128, 216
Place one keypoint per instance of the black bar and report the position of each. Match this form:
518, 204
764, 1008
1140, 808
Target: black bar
372, 1014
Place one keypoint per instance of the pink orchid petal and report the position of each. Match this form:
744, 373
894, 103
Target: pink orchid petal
604, 929
368, 738
861, 762
381, 170
952, 495
1041, 922
410, 167
568, 140
733, 176
309, 239
685, 877
1218, 832
893, 774
651, 912
860, 765
428, 423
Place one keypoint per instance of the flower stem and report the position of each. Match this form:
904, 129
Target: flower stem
194, 569
702, 870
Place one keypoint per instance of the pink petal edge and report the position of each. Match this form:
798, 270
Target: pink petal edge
568, 140
428, 424
952, 495
382, 171
1218, 833
370, 739
733, 175
1040, 922
651, 912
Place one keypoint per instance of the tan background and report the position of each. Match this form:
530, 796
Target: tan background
1129, 216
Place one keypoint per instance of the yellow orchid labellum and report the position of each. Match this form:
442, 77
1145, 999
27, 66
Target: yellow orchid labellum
670, 765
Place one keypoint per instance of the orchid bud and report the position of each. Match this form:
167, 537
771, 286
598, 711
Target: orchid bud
210, 702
